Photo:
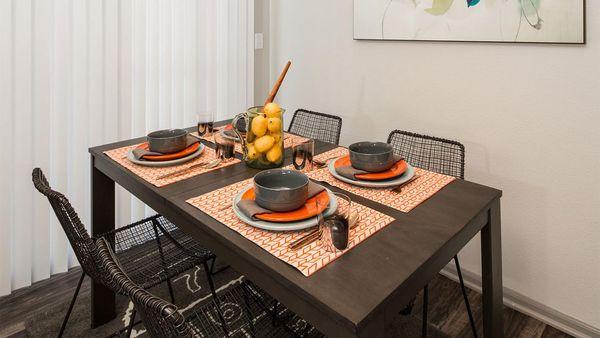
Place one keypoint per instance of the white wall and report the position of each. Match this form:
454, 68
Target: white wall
528, 115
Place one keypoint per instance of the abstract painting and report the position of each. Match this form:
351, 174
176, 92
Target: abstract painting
548, 21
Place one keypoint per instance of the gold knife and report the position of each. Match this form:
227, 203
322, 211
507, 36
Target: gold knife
305, 240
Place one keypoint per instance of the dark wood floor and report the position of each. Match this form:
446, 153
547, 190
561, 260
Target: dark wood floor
446, 308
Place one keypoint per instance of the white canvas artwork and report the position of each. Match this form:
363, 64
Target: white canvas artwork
549, 21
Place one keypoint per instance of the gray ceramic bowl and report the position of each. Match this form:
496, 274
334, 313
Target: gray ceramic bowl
167, 141
280, 189
371, 156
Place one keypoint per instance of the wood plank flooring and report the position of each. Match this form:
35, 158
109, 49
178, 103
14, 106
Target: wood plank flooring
446, 308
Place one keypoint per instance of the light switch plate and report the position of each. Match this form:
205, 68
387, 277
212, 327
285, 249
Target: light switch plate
258, 41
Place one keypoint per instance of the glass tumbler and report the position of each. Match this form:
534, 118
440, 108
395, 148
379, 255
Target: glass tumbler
224, 148
205, 123
335, 233
303, 152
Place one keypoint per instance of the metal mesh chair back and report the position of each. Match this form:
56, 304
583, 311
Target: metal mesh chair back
84, 247
319, 126
161, 318
432, 153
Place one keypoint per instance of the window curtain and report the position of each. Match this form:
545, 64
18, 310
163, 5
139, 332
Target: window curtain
79, 73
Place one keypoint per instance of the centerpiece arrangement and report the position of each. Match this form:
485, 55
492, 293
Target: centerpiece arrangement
262, 144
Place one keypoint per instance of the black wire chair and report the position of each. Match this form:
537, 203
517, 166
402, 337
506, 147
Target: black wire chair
152, 250
163, 319
319, 126
442, 156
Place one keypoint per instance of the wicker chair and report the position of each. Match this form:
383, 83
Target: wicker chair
442, 156
319, 126
163, 319
152, 250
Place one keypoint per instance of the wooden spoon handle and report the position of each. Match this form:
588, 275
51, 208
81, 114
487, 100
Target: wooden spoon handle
275, 89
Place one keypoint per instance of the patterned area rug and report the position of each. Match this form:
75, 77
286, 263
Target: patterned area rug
191, 291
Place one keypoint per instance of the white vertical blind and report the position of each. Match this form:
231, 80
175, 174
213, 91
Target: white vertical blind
78, 73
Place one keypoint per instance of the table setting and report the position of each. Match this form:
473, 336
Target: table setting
293, 212
171, 155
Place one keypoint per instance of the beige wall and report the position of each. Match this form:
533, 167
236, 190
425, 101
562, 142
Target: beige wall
528, 115
261, 56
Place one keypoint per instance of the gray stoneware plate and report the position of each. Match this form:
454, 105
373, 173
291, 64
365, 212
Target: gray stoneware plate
408, 174
190, 157
289, 226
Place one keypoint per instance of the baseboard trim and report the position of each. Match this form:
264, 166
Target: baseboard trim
530, 307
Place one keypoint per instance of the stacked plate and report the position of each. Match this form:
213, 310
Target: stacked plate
373, 165
283, 200
166, 148
374, 181
167, 160
303, 218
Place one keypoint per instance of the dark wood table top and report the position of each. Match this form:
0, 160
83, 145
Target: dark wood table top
359, 292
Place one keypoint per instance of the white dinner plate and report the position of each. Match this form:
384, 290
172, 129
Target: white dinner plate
190, 157
288, 226
408, 174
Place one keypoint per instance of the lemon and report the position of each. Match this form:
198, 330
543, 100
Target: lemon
259, 126
276, 137
274, 124
274, 155
272, 110
264, 143
252, 153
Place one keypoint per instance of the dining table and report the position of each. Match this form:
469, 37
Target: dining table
357, 295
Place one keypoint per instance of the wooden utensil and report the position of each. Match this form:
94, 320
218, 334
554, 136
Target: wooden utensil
275, 89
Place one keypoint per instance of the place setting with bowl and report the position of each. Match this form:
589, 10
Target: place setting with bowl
298, 220
171, 155
374, 171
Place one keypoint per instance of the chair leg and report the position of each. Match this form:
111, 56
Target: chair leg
68, 314
274, 320
464, 292
247, 310
212, 267
171, 293
425, 304
131, 323
162, 258
211, 284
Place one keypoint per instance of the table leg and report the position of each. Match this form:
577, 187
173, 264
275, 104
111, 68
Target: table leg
103, 220
491, 260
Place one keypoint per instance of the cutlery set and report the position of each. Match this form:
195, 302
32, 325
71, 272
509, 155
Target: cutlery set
203, 165
317, 233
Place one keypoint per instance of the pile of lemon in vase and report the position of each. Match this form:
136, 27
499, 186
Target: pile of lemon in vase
265, 136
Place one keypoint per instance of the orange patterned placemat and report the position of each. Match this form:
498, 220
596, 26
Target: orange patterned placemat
152, 174
414, 193
288, 140
309, 259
